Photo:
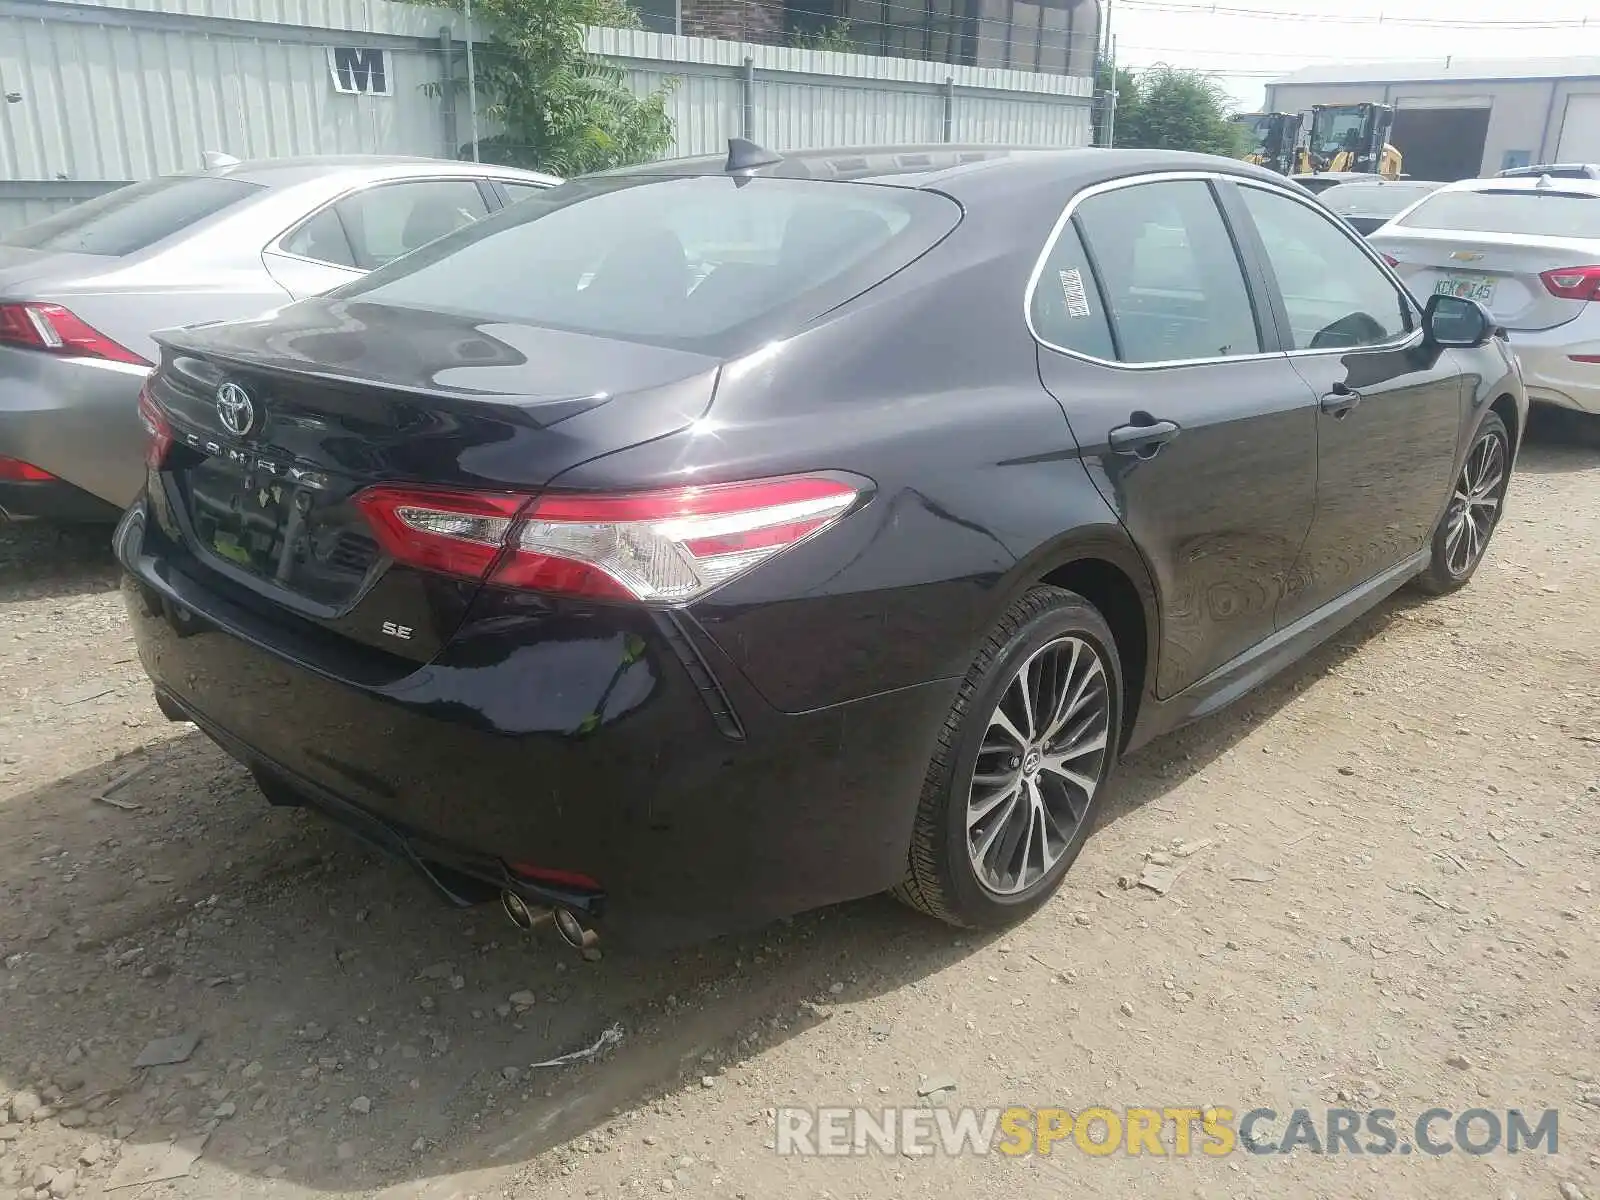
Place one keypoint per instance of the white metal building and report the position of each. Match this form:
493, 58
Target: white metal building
95, 93
1460, 118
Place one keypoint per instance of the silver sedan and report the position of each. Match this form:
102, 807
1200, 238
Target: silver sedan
1529, 249
82, 291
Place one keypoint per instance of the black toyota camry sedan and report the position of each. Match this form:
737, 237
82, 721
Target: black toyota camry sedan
718, 539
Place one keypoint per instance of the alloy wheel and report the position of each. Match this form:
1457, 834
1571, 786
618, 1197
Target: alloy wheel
1041, 759
1475, 505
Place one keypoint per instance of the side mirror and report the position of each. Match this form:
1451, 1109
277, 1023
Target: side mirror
1457, 321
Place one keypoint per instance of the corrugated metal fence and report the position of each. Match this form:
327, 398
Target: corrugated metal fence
791, 99
93, 95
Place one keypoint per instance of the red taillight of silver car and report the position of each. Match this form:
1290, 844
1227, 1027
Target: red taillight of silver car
14, 470
1573, 283
662, 547
56, 330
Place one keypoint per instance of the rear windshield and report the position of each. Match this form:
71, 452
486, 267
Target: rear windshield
132, 217
1541, 213
685, 261
1372, 199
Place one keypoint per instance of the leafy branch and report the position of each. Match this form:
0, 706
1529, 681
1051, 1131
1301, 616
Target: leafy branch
555, 106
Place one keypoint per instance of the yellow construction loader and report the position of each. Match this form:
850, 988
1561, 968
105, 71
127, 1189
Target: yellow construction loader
1352, 138
1273, 140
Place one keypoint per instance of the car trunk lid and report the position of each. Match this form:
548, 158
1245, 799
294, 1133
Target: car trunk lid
279, 427
24, 272
1501, 270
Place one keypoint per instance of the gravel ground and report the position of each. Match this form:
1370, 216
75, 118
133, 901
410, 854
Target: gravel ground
1392, 905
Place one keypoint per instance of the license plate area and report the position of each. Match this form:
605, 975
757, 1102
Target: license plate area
304, 537
1467, 287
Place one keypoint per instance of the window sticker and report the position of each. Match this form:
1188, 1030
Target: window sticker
1072, 290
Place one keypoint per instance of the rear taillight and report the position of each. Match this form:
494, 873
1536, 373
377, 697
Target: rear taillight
1390, 259
665, 546
662, 547
156, 427
455, 533
54, 329
1573, 283
14, 470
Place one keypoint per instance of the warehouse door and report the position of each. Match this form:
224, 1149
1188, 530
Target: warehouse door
1445, 144
1580, 131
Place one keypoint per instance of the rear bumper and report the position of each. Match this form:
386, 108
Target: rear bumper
605, 741
54, 500
75, 417
462, 877
1548, 370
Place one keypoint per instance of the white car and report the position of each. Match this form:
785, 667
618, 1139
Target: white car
1529, 249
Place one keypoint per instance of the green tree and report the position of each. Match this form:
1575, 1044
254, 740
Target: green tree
1168, 108
831, 35
557, 107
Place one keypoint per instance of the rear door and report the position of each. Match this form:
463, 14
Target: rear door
1505, 247
1194, 426
1389, 407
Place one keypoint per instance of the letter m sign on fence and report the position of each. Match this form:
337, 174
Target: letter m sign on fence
360, 72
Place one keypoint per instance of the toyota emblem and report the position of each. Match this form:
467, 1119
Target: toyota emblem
236, 410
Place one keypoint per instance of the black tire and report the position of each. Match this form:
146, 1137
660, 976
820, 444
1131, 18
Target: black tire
941, 879
1448, 569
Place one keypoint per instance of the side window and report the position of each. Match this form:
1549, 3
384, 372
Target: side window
1065, 305
519, 191
1335, 295
322, 238
1169, 271
392, 219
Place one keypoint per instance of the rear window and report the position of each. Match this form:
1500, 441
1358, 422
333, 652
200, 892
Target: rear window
1541, 213
680, 261
1372, 199
133, 217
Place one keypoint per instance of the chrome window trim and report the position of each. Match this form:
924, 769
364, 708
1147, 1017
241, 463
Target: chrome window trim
275, 245
277, 251
1127, 181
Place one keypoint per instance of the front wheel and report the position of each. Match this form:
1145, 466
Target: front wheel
1474, 510
1021, 764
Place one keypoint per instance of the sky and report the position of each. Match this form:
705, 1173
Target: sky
1247, 42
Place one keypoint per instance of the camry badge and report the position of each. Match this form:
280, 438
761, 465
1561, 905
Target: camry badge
236, 410
1465, 255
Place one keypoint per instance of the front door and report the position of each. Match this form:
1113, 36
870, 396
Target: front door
1200, 435
1389, 407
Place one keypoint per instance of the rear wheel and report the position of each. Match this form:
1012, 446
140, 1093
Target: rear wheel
1022, 761
1474, 510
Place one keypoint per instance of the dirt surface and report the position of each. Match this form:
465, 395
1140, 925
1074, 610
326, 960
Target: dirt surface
1396, 907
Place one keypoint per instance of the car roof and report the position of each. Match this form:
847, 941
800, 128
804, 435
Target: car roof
948, 167
1386, 183
1565, 170
1341, 176
1526, 183
282, 172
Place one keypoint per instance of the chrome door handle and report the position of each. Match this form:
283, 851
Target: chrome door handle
1143, 440
1339, 401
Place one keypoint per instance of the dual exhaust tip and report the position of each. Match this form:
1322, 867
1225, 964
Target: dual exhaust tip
529, 917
